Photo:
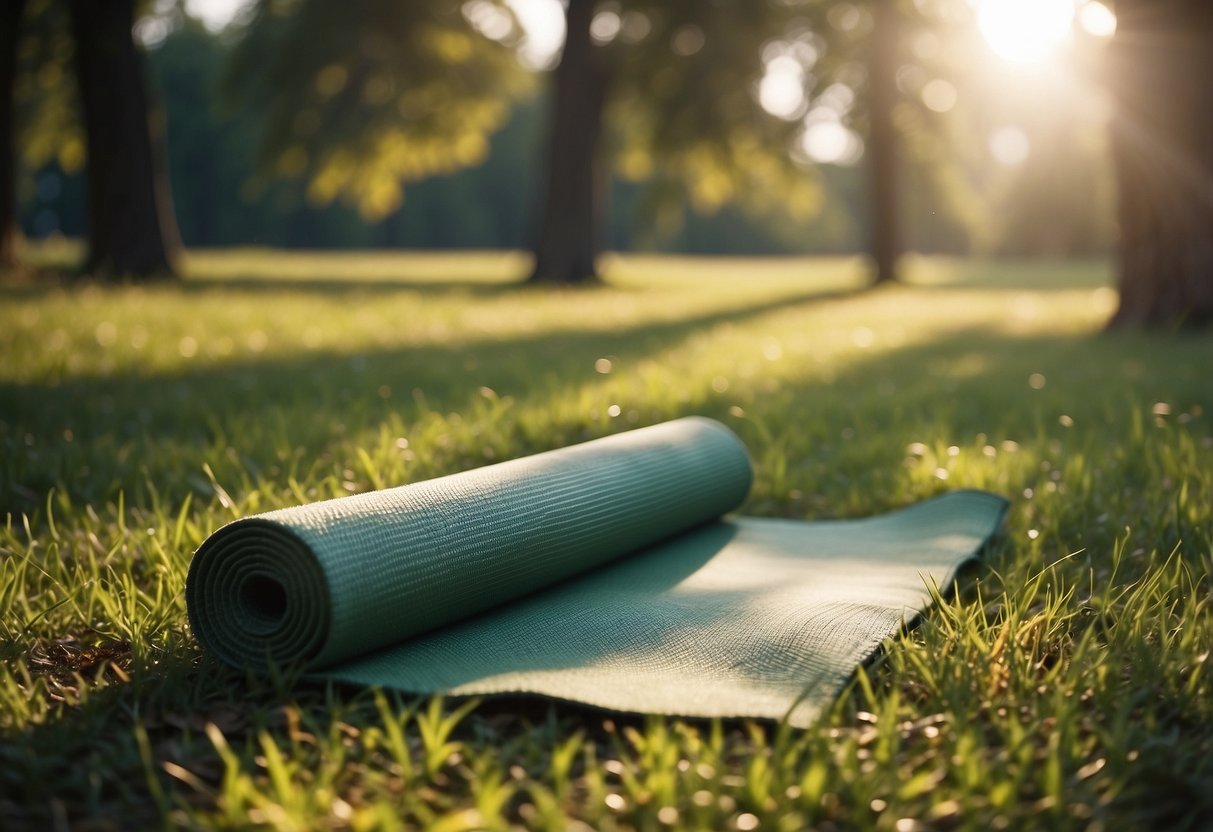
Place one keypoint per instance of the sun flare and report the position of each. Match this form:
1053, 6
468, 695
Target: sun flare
1025, 31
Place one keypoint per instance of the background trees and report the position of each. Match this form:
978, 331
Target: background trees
131, 229
10, 22
792, 126
676, 85
570, 229
364, 96
882, 150
1163, 148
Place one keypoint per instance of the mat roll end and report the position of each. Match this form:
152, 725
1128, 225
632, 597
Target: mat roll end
256, 594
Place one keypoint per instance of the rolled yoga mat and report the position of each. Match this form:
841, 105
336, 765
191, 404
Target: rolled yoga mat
599, 573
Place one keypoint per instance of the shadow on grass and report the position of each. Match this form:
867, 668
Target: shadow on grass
310, 394
41, 283
423, 274
352, 287
126, 425
243, 418
129, 754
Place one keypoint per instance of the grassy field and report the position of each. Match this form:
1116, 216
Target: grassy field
1066, 685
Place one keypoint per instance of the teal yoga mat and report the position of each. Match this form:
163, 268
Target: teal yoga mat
601, 573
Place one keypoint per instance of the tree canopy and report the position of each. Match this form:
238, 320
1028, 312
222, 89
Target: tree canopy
363, 96
713, 118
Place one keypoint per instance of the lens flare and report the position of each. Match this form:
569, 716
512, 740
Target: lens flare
1097, 19
1025, 31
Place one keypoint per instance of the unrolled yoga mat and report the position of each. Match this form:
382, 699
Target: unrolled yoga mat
599, 573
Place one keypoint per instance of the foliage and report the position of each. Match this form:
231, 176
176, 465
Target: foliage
48, 128
1066, 685
212, 158
365, 95
956, 200
684, 110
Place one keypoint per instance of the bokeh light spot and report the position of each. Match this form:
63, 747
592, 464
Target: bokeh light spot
830, 142
605, 26
1010, 146
781, 90
1097, 19
939, 95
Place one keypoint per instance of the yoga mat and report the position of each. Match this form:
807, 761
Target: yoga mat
599, 573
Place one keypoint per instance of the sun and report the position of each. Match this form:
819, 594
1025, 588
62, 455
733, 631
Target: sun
1025, 31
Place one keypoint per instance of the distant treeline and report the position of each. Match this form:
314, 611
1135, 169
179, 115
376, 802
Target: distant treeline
219, 200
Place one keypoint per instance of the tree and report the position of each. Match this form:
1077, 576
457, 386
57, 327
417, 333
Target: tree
667, 91
869, 47
1163, 154
362, 97
882, 144
132, 233
567, 249
10, 22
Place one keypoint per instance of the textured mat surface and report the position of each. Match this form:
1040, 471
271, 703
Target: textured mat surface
597, 573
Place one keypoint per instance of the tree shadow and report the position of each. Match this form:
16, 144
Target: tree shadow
255, 419
346, 288
37, 283
303, 396
1011, 274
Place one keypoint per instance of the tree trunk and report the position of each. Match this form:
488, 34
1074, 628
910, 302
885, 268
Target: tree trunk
132, 233
881, 151
568, 237
10, 23
1162, 145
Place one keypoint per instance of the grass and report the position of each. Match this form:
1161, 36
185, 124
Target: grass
1066, 685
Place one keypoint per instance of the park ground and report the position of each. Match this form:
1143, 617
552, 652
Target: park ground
1066, 683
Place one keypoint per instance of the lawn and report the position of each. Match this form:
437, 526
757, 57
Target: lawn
1066, 684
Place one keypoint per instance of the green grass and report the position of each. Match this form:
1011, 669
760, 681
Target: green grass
1066, 685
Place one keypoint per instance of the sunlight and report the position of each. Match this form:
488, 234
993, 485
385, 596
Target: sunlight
1025, 31
1010, 146
1097, 19
543, 22
831, 143
214, 14
781, 91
